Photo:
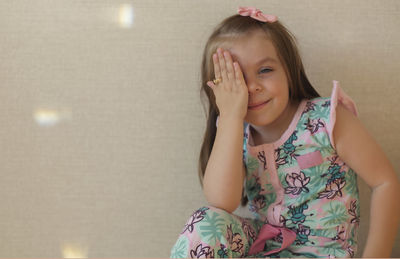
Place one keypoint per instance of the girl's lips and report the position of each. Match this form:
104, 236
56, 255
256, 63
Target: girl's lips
257, 107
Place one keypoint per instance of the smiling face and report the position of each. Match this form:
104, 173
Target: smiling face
265, 77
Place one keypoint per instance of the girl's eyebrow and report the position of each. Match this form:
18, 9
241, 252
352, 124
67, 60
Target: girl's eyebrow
266, 60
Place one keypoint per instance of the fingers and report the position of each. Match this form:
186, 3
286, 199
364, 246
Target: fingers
238, 74
217, 71
222, 66
229, 71
231, 95
229, 66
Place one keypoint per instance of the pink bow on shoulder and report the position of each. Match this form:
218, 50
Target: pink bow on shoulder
256, 14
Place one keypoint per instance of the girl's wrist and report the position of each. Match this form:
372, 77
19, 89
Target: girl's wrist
229, 119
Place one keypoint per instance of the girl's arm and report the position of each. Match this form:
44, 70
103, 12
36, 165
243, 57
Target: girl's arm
224, 175
359, 151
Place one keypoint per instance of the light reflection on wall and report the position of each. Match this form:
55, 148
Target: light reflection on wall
47, 117
74, 251
126, 16
50, 117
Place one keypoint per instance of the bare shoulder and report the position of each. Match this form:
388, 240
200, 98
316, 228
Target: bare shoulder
359, 150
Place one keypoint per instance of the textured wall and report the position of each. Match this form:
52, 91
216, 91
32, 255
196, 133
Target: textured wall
101, 121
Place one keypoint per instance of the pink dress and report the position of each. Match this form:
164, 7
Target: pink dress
304, 198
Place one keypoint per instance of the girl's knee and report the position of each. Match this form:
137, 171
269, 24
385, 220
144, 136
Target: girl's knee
214, 230
209, 211
207, 214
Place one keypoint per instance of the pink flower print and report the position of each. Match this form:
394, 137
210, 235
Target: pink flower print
350, 250
278, 238
304, 230
353, 212
309, 107
314, 125
202, 252
326, 104
197, 216
261, 157
333, 159
237, 245
302, 234
250, 233
340, 233
235, 241
257, 204
332, 189
279, 160
296, 183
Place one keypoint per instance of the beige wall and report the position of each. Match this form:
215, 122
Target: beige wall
101, 121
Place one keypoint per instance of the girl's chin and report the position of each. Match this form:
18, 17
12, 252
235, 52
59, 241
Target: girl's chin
257, 121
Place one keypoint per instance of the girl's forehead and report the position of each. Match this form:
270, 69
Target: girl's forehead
253, 48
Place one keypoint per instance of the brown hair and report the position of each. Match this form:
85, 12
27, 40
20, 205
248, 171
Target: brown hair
284, 42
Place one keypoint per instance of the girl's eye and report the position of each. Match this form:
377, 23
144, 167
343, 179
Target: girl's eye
265, 70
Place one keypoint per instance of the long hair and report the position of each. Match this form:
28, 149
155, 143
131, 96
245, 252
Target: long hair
284, 42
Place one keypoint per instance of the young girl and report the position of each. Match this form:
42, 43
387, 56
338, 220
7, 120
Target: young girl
273, 141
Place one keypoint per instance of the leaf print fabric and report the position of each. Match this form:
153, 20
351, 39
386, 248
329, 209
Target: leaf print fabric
218, 235
318, 195
180, 248
298, 183
197, 216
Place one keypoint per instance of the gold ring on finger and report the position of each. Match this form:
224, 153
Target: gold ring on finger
217, 81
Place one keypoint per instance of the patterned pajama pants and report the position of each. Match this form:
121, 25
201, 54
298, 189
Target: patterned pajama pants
215, 233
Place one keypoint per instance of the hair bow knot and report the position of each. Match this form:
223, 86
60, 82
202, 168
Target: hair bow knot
256, 14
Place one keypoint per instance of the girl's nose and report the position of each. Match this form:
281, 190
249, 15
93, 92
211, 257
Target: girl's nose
254, 87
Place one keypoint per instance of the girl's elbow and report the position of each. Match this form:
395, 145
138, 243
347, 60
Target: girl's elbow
391, 188
229, 209
228, 205
233, 207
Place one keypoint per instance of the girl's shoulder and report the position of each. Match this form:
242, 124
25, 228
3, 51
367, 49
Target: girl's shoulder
323, 105
322, 111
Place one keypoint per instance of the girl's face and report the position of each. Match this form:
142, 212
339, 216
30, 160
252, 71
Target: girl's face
265, 78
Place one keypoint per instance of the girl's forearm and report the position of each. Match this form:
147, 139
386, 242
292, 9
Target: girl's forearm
384, 220
223, 178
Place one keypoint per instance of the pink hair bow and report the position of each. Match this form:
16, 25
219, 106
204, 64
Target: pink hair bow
256, 14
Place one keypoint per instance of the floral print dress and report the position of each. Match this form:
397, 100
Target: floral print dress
298, 189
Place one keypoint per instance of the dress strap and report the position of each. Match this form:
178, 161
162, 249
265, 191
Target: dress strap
339, 96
